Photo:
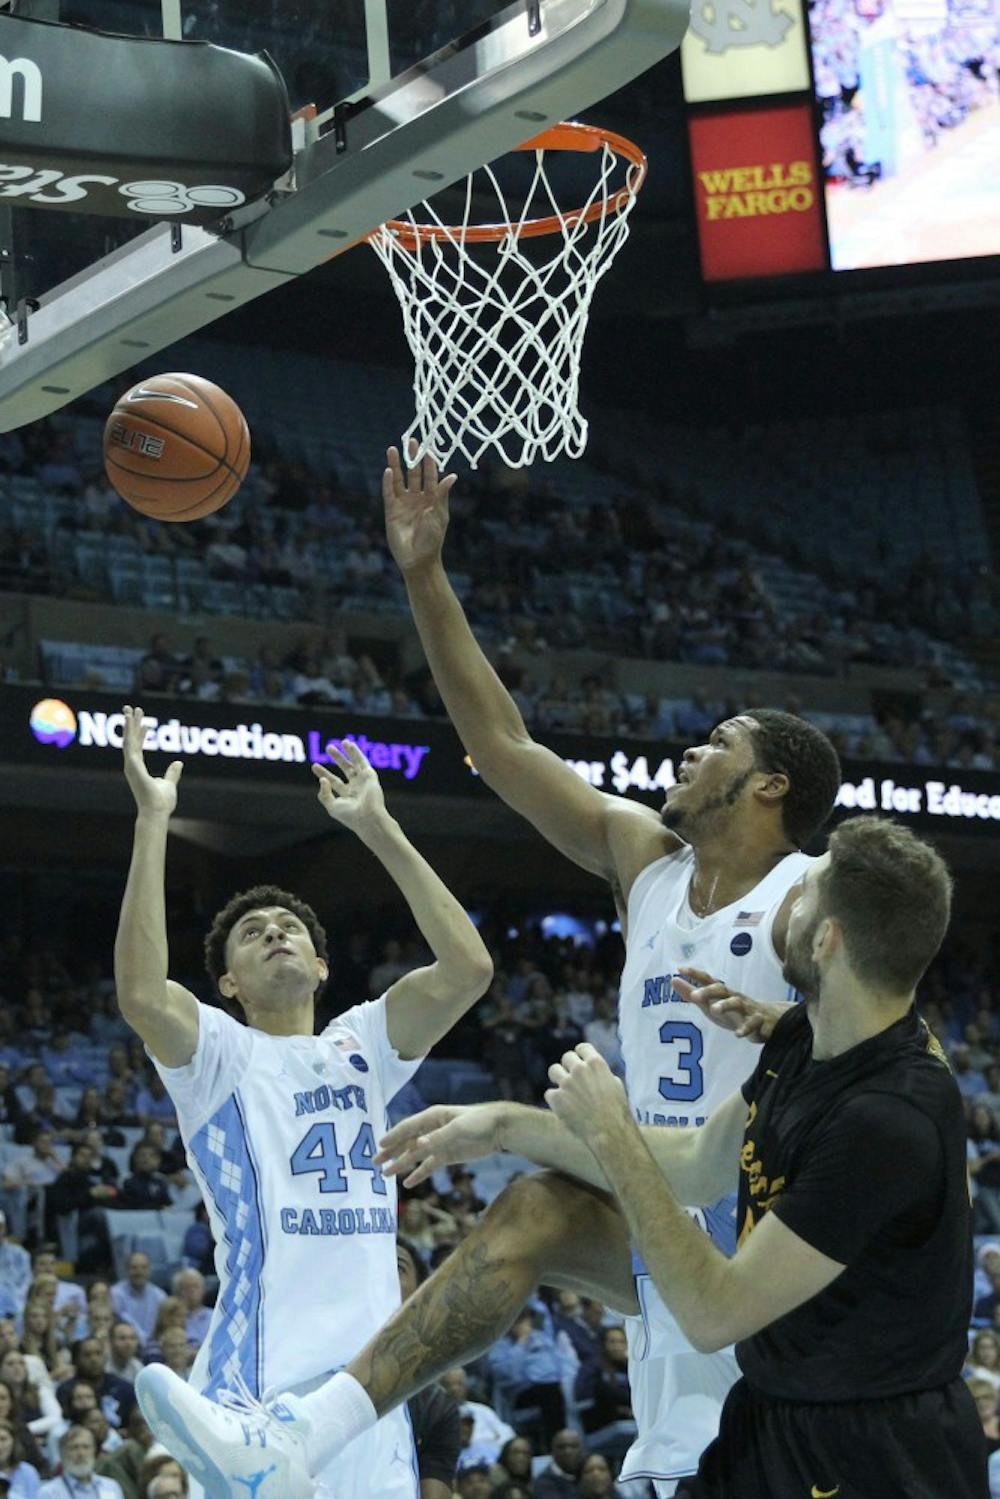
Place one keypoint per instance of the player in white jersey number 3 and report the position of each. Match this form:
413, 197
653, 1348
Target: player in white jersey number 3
706, 886
280, 1125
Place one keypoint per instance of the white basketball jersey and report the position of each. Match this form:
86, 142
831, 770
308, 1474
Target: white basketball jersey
280, 1132
678, 1065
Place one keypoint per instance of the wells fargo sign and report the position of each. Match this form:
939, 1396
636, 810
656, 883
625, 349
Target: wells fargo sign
757, 193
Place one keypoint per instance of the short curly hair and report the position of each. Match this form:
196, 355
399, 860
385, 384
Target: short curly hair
798, 749
259, 898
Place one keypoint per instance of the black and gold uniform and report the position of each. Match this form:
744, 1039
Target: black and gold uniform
856, 1393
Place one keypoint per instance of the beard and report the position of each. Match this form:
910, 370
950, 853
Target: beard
799, 968
711, 815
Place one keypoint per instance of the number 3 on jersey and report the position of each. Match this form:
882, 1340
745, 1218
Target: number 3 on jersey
317, 1151
686, 1081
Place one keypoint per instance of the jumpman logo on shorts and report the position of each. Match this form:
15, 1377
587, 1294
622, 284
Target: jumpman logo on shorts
255, 1480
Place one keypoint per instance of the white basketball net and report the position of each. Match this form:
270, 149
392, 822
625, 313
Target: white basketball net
497, 337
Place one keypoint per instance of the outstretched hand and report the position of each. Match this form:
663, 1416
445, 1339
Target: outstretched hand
439, 1136
416, 509
753, 1019
152, 795
354, 798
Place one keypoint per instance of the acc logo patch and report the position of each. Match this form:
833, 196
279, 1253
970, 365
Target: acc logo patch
741, 944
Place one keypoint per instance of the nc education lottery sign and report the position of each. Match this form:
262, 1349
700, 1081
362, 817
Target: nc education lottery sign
757, 195
274, 747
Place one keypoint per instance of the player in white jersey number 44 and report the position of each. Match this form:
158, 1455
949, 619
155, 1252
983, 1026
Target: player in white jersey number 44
281, 1127
707, 882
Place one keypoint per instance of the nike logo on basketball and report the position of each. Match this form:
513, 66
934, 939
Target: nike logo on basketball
142, 394
818, 1493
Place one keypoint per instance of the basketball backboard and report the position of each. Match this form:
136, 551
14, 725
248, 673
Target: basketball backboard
401, 97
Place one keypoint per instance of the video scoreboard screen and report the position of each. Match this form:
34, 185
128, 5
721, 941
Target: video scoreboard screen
843, 134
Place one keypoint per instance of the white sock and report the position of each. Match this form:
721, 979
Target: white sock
338, 1411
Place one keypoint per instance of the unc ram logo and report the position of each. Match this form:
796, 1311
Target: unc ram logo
31, 83
722, 24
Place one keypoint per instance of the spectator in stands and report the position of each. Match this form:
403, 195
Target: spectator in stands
79, 1480
582, 1321
506, 1045
198, 1249
391, 967
105, 1167
11, 1414
473, 1479
107, 1438
526, 1365
596, 1480
970, 1082
67, 1298
559, 1479
116, 1397
152, 1101
514, 1462
984, 1358
35, 1405
984, 1168
171, 1484
79, 1189
20, 1176
88, 1113
61, 470
123, 1352
603, 1388
985, 1396
135, 1298
40, 1338
21, 1475
116, 1108
171, 1313
487, 1427
15, 1267
986, 1306
126, 1462
45, 1113
602, 1032
189, 1288
160, 1464
173, 1349
146, 1187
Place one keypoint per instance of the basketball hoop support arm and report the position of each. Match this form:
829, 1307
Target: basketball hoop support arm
420, 132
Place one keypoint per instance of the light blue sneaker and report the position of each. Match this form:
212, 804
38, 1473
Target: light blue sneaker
240, 1448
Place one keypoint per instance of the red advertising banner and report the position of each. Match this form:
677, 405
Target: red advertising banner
757, 196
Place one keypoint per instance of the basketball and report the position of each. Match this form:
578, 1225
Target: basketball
176, 447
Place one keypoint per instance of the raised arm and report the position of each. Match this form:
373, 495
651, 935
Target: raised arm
602, 833
163, 1013
423, 1005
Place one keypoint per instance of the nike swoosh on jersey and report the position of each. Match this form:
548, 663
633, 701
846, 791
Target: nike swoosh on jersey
818, 1493
142, 394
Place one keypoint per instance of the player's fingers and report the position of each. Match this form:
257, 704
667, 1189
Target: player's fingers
407, 1131
395, 463
356, 757
696, 977
338, 754
558, 1074
412, 448
424, 1170
710, 994
586, 1052
173, 772
429, 473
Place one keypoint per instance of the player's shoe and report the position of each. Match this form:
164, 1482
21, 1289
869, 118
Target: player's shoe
240, 1448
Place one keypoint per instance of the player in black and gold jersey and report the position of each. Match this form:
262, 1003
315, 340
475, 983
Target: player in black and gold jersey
850, 1293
